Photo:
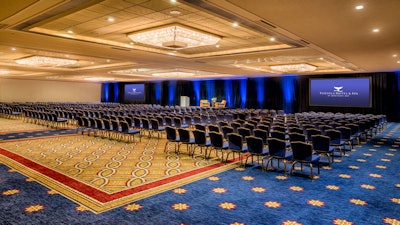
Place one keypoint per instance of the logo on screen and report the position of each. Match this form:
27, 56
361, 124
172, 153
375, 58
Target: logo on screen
134, 92
338, 89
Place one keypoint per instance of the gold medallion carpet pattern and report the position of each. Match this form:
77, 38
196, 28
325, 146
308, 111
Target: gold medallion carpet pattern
102, 174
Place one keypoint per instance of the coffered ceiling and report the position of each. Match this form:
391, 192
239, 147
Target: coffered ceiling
331, 36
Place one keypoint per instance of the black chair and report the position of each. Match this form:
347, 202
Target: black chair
297, 137
296, 130
346, 136
263, 127
227, 130
261, 134
128, 131
277, 150
303, 153
354, 132
235, 126
178, 123
322, 146
236, 145
255, 147
336, 140
311, 132
249, 126
185, 138
155, 127
213, 128
172, 138
218, 143
244, 132
278, 135
201, 141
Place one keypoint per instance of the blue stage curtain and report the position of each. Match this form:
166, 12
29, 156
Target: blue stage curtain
288, 89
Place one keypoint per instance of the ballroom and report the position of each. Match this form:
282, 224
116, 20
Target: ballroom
199, 112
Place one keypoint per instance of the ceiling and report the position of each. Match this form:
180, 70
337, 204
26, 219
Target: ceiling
332, 36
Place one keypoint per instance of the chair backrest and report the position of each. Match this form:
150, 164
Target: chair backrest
227, 130
312, 131
216, 139
214, 128
137, 122
354, 128
199, 137
168, 121
235, 126
335, 135
346, 132
276, 147
321, 142
145, 123
177, 122
235, 141
200, 127
124, 126
171, 133
296, 130
301, 151
279, 128
263, 127
249, 126
244, 132
184, 135
261, 134
278, 134
115, 125
154, 124
297, 137
255, 145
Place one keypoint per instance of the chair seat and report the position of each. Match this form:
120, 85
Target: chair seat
313, 159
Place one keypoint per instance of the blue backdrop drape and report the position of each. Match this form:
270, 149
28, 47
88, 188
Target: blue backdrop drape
288, 92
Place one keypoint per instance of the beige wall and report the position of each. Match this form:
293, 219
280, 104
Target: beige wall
48, 91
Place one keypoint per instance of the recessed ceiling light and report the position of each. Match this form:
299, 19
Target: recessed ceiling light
110, 19
272, 39
131, 43
173, 1
70, 31
359, 7
394, 55
235, 24
375, 30
13, 49
217, 46
108, 60
398, 61
175, 12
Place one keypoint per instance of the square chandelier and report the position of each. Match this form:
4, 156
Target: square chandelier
289, 68
45, 61
174, 36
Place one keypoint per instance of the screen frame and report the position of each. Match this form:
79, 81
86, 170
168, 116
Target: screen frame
126, 100
341, 78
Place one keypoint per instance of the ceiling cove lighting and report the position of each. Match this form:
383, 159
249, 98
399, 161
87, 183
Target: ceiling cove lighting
45, 61
173, 74
289, 68
174, 36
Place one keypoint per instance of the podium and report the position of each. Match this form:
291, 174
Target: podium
185, 101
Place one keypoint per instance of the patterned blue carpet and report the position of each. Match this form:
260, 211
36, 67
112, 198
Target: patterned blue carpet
360, 188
